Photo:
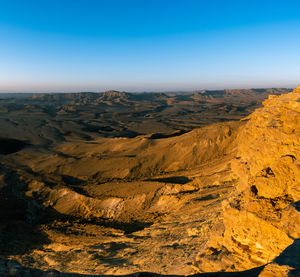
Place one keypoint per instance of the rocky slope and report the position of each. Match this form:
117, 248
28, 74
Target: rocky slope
221, 198
262, 219
117, 224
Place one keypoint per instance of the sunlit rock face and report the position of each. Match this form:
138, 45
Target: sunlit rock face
123, 205
261, 218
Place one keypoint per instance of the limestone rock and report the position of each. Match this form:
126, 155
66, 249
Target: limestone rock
262, 217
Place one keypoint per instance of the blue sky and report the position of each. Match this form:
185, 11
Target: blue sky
148, 45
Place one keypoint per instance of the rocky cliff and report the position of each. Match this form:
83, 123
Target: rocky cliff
116, 206
261, 218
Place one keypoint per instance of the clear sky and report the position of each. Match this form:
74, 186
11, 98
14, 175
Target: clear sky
148, 45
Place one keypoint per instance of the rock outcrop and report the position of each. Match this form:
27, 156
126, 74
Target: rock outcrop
118, 206
261, 218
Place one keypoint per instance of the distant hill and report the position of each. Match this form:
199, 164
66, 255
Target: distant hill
43, 118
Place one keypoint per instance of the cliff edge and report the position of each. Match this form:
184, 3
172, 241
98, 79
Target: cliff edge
261, 218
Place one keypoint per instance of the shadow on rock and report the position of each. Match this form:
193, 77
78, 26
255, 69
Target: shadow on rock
13, 268
9, 146
19, 230
174, 180
290, 257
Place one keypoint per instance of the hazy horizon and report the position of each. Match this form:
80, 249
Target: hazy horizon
143, 91
140, 91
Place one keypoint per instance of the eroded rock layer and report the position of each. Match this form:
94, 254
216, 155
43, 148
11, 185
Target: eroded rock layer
261, 219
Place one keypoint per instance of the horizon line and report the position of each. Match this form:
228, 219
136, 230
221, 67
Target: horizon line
141, 91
